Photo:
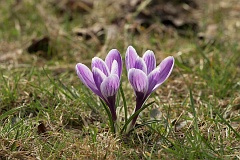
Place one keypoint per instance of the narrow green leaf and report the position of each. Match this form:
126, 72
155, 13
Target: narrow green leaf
109, 116
194, 111
10, 112
236, 133
180, 65
146, 123
57, 86
124, 104
135, 114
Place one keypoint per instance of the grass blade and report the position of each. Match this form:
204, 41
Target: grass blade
124, 104
10, 112
109, 116
224, 120
135, 114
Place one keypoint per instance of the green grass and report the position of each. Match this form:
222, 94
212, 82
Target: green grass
199, 103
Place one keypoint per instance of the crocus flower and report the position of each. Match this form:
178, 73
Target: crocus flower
104, 79
144, 76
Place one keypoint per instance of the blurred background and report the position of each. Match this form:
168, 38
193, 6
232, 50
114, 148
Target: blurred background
70, 31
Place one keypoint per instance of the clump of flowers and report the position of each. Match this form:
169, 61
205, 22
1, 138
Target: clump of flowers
143, 74
104, 79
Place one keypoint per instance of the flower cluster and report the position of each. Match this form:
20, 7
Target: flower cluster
143, 75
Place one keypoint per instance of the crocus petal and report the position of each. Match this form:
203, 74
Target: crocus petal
140, 64
131, 57
100, 64
166, 67
86, 76
98, 77
114, 55
138, 80
114, 69
109, 86
150, 60
160, 74
153, 79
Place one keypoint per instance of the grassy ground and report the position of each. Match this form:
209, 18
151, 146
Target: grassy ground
46, 113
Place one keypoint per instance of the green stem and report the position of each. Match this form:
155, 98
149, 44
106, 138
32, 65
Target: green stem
124, 104
132, 116
110, 118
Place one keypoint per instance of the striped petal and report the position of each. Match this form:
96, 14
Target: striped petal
150, 60
86, 76
131, 57
114, 69
138, 80
109, 86
100, 64
114, 55
153, 79
160, 74
140, 64
98, 77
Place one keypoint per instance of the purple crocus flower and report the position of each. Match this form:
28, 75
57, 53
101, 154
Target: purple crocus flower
104, 79
144, 76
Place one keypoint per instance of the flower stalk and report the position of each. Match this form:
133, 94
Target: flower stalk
144, 76
104, 79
